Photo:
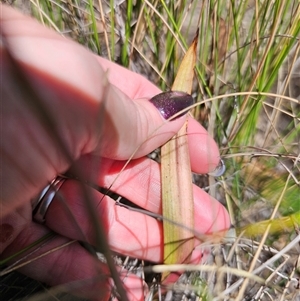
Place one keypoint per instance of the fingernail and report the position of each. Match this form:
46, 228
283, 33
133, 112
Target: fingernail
219, 171
171, 102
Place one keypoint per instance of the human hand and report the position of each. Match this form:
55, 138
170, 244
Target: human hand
102, 114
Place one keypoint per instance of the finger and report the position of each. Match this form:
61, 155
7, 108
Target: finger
129, 232
129, 87
11, 226
70, 267
140, 180
204, 152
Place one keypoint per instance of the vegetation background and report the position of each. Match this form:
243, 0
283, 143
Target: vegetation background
248, 90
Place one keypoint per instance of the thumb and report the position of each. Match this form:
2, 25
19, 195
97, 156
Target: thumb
89, 113
80, 95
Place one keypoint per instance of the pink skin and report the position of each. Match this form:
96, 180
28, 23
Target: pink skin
73, 84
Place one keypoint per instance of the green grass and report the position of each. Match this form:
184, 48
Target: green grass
244, 46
